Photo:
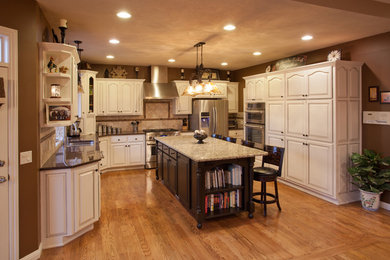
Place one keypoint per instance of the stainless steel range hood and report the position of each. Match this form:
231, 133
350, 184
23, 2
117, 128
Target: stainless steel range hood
159, 88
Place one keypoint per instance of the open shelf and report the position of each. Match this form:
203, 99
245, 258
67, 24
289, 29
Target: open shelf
222, 212
227, 188
57, 75
57, 100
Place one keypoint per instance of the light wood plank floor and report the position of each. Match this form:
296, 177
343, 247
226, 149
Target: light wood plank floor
141, 219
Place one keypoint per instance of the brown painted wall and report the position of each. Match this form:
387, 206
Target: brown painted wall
375, 53
25, 16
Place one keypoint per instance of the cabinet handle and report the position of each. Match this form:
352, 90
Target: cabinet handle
282, 132
281, 140
281, 96
96, 170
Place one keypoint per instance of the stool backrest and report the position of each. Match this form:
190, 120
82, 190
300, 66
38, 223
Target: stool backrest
216, 136
229, 139
248, 143
274, 157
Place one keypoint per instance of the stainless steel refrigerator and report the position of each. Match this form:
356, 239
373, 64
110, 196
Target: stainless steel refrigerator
210, 115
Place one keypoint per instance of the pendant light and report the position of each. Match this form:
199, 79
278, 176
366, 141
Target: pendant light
196, 85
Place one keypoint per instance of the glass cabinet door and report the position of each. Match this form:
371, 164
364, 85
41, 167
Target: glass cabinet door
91, 84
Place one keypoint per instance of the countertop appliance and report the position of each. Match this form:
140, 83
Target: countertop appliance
151, 149
255, 124
210, 115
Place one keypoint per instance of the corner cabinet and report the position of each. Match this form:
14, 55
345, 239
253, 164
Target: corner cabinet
87, 101
70, 203
58, 84
182, 104
119, 96
314, 111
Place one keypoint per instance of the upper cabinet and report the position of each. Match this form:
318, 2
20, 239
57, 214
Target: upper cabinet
275, 86
232, 95
256, 89
87, 101
58, 83
120, 96
182, 104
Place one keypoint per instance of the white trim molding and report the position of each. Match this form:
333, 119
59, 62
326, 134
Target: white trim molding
34, 255
13, 143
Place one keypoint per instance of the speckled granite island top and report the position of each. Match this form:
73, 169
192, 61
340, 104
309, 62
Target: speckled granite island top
212, 149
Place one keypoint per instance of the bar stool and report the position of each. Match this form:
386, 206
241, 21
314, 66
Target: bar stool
229, 139
267, 174
248, 143
216, 136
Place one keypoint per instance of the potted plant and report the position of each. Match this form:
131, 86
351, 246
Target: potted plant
371, 173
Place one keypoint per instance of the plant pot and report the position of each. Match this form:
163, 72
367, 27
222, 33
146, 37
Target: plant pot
370, 200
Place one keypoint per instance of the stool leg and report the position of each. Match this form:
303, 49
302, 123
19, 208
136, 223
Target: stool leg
277, 194
262, 192
265, 198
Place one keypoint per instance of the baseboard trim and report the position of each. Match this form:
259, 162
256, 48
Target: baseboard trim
385, 205
34, 255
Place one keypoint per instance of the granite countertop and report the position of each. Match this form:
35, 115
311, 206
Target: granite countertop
123, 133
69, 156
211, 150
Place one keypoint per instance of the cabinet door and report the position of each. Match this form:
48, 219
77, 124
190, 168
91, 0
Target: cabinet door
172, 172
126, 98
103, 145
275, 85
320, 162
183, 104
275, 140
260, 89
319, 120
296, 151
138, 98
165, 164
232, 93
137, 153
85, 196
89, 124
119, 155
319, 82
296, 86
183, 180
102, 97
275, 117
112, 101
250, 90
160, 164
296, 118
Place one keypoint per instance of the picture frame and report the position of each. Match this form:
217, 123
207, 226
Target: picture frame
58, 112
214, 74
385, 97
373, 94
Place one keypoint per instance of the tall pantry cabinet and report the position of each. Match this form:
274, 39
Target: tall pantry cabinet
314, 111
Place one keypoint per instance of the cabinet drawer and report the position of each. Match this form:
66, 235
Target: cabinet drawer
133, 138
165, 149
173, 153
119, 139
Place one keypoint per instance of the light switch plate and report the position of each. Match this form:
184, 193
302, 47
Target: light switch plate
25, 157
376, 117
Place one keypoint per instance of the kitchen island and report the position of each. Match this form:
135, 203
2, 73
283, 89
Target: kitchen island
210, 180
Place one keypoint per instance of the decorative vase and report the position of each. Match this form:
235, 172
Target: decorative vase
370, 200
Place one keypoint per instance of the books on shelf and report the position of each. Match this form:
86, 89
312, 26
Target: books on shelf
220, 178
222, 200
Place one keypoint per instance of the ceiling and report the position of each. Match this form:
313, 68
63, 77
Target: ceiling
160, 30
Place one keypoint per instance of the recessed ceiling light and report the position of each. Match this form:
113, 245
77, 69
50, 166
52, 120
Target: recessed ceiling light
123, 15
113, 41
257, 53
229, 27
110, 57
307, 37
224, 63
171, 60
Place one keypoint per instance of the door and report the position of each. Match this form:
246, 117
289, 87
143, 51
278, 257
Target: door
232, 94
296, 160
296, 118
296, 85
118, 155
319, 82
103, 145
102, 97
136, 153
250, 90
275, 117
260, 89
221, 114
183, 103
126, 98
4, 221
320, 120
320, 174
183, 180
112, 101
138, 99
275, 86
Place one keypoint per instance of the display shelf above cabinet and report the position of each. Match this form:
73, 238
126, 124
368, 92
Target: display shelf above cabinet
57, 75
57, 100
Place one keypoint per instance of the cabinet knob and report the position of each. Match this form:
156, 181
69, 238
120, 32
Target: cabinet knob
281, 132
281, 96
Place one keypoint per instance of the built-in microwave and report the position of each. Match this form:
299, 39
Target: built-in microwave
255, 113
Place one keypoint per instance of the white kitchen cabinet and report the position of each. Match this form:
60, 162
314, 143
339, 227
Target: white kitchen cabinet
88, 101
69, 203
256, 89
275, 86
104, 143
239, 134
182, 104
322, 122
123, 96
232, 95
275, 117
310, 119
127, 151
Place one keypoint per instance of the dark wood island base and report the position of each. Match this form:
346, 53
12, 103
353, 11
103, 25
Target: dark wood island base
185, 178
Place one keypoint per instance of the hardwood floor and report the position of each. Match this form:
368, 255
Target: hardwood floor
141, 219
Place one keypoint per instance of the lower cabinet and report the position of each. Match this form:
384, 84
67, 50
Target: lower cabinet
70, 203
183, 180
127, 151
310, 164
104, 149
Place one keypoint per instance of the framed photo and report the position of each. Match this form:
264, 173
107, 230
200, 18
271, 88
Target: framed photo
385, 97
214, 73
373, 94
58, 113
